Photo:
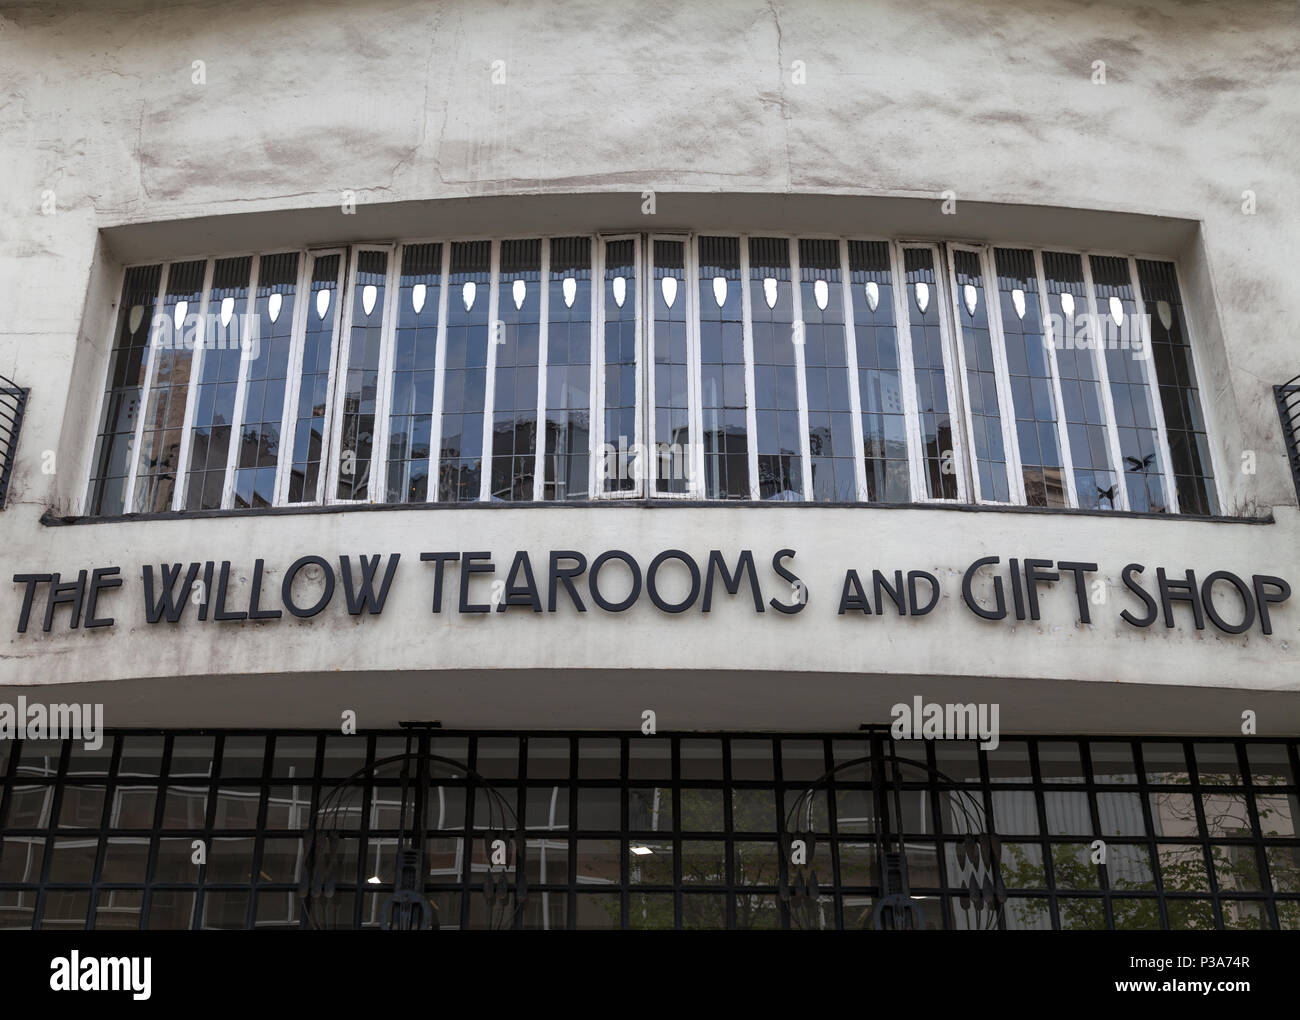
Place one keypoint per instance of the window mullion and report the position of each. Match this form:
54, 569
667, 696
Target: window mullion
543, 337
751, 403
801, 380
192, 390
496, 336
963, 459
1002, 379
1097, 345
142, 412
907, 380
338, 383
378, 484
327, 475
646, 292
293, 378
439, 381
596, 383
1153, 385
963, 386
1049, 341
644, 364
691, 284
851, 361
251, 314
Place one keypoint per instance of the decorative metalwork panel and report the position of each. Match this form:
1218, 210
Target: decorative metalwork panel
13, 402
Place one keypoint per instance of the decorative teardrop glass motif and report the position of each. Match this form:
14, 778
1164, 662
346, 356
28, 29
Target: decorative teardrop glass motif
922, 296
769, 292
620, 290
873, 294
178, 313
1166, 313
1117, 311
322, 303
669, 287
1067, 304
369, 295
821, 293
519, 291
570, 290
1018, 300
134, 318
273, 305
419, 294
970, 297
720, 290
467, 293
227, 310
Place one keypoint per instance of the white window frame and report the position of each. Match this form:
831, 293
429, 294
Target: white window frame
944, 291
689, 285
289, 427
342, 354
641, 461
1010, 442
956, 406
146, 390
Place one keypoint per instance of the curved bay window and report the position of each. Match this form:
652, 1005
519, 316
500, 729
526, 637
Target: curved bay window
710, 368
610, 831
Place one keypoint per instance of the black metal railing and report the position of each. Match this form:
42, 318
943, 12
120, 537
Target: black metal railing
1288, 409
13, 401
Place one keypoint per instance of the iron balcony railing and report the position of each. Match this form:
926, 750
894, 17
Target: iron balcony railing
1288, 409
13, 401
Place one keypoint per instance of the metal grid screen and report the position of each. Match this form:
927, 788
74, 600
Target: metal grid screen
212, 830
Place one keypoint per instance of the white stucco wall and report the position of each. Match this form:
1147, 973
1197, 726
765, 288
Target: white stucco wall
395, 101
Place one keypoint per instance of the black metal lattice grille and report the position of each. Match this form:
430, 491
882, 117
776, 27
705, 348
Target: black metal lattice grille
636, 831
1288, 410
13, 401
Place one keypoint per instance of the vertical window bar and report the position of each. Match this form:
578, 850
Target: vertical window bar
173, 334
882, 413
723, 400
671, 464
779, 436
248, 323
127, 363
751, 412
1084, 417
1131, 394
620, 460
991, 466
266, 375
515, 361
495, 340
1140, 342
355, 416
200, 341
312, 389
219, 372
1180, 402
566, 380
1034, 400
439, 378
411, 384
159, 333
851, 362
798, 338
830, 411
464, 396
936, 399
1097, 345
